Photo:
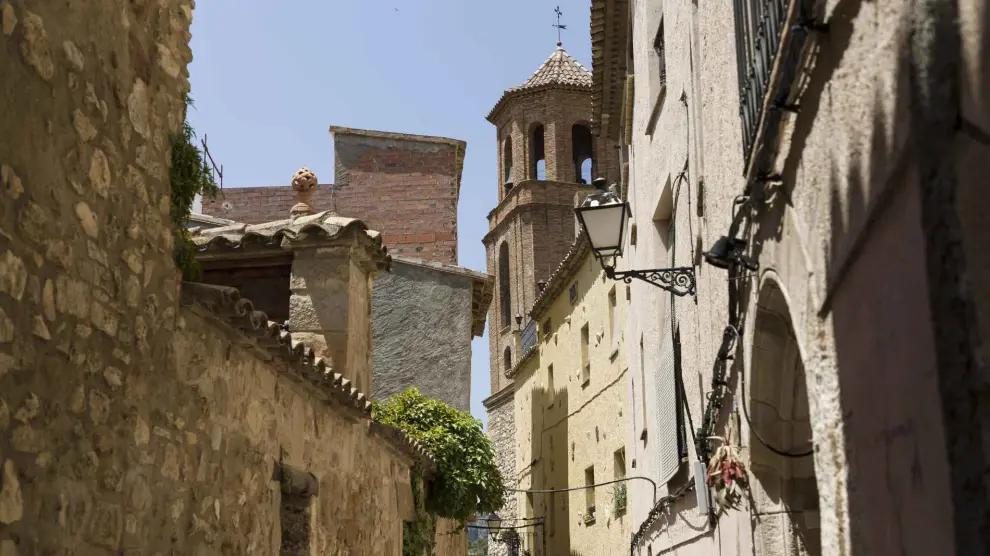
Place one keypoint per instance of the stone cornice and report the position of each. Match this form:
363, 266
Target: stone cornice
500, 398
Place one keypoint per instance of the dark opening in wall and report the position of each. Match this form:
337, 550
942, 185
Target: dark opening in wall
504, 289
264, 281
583, 150
539, 167
507, 164
295, 515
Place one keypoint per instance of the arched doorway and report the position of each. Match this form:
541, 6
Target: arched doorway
785, 516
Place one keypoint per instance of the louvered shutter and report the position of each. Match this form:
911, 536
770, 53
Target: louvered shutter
665, 385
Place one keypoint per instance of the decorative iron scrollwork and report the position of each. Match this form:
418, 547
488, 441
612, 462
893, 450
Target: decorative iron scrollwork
679, 281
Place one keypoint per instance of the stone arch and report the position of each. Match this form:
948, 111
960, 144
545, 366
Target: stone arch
582, 152
504, 285
785, 489
538, 151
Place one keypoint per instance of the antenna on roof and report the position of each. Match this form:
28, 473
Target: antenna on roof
216, 170
559, 26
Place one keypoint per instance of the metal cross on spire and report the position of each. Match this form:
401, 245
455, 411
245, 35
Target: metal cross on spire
559, 26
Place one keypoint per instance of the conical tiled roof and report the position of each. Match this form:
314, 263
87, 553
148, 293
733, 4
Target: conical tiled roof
559, 70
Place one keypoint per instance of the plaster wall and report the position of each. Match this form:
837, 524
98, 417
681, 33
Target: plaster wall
421, 323
827, 238
568, 426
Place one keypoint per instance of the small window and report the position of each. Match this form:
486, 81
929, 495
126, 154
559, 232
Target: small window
529, 504
546, 328
658, 48
572, 293
585, 363
589, 494
619, 493
550, 389
507, 359
613, 319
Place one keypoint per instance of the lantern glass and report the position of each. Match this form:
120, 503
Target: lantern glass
605, 225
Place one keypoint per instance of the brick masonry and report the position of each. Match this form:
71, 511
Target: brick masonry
404, 186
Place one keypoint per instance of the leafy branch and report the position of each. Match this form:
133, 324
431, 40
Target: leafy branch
189, 175
467, 480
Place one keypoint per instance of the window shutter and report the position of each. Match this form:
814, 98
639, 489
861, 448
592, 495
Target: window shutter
666, 399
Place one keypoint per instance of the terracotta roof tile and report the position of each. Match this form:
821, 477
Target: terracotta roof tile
560, 70
283, 233
227, 304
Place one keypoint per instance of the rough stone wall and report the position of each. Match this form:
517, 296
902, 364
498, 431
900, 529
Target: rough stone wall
233, 417
502, 433
421, 322
88, 290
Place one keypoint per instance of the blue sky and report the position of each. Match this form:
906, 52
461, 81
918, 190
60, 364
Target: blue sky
268, 79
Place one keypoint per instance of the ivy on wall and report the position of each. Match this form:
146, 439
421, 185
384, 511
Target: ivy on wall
189, 175
466, 480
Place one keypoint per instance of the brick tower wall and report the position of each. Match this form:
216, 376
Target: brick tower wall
405, 188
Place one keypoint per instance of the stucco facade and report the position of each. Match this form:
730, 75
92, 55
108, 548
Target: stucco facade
423, 318
572, 416
846, 338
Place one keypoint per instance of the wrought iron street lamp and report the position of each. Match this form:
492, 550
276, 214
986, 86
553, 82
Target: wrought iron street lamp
604, 217
494, 525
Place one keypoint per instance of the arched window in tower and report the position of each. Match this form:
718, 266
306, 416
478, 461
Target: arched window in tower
504, 290
507, 164
539, 158
507, 359
583, 150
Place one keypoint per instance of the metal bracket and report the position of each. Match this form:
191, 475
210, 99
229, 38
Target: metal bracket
679, 281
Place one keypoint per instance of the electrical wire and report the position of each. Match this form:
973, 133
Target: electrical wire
752, 429
586, 487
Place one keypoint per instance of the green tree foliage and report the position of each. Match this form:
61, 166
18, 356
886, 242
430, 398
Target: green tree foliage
466, 480
189, 175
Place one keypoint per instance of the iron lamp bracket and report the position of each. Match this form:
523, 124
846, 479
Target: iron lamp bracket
679, 281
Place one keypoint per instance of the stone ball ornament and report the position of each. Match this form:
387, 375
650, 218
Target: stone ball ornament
304, 179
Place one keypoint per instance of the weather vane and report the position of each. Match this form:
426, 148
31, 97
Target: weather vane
559, 26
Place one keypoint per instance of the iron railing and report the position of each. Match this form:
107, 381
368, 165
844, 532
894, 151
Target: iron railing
529, 337
762, 41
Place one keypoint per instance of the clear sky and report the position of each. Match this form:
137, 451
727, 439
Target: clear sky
269, 78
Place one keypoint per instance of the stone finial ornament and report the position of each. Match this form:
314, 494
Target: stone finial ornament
304, 183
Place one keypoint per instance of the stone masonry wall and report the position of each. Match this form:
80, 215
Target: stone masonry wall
88, 290
502, 433
421, 322
407, 190
127, 425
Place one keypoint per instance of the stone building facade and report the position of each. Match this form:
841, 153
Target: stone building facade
546, 157
405, 185
858, 330
139, 415
572, 413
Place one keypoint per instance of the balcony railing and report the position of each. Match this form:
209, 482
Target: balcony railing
770, 36
529, 337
